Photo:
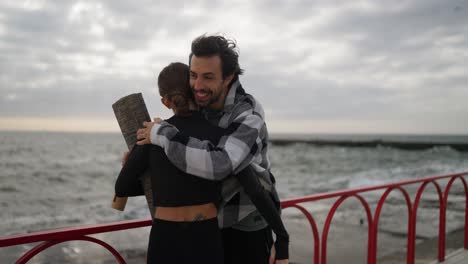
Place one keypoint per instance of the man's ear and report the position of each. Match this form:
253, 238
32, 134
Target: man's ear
228, 79
166, 103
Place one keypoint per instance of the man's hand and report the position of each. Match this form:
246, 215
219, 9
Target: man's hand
143, 134
273, 255
125, 158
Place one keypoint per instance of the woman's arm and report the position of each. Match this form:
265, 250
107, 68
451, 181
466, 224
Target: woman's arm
264, 203
127, 183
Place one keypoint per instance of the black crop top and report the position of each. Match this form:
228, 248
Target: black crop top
171, 186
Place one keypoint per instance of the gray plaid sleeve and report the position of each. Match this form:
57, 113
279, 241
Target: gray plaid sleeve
235, 151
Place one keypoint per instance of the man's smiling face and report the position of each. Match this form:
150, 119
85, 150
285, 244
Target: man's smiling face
206, 80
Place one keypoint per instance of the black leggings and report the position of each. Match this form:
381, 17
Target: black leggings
185, 242
241, 247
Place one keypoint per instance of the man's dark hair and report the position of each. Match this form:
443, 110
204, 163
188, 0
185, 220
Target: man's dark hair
207, 46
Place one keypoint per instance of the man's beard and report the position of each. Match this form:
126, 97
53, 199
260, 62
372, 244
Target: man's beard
212, 98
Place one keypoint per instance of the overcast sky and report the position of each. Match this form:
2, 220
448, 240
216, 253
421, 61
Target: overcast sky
316, 66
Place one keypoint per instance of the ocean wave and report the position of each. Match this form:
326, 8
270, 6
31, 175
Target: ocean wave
8, 189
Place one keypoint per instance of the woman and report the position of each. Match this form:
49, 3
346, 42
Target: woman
185, 228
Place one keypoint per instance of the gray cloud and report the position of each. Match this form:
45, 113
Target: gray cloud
326, 60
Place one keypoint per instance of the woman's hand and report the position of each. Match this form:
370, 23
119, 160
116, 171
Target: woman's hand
125, 158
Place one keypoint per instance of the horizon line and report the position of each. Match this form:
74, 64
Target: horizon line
281, 133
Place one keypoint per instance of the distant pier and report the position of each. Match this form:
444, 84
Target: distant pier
407, 145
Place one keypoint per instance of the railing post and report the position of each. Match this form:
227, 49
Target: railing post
442, 228
446, 194
314, 228
378, 209
421, 189
411, 239
326, 227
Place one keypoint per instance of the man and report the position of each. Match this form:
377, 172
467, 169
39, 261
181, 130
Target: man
214, 79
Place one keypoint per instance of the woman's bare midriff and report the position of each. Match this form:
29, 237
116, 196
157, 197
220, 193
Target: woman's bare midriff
188, 213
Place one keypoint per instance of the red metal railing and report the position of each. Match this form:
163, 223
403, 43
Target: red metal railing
53, 237
373, 221
56, 236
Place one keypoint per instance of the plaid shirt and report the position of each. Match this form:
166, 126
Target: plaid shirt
244, 143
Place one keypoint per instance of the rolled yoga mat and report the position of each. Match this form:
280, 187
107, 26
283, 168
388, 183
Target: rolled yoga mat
131, 112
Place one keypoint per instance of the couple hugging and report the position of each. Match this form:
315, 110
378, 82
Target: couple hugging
214, 196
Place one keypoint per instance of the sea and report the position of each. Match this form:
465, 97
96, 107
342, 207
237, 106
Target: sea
52, 180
